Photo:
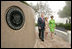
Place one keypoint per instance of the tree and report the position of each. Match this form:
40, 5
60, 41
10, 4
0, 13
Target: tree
66, 12
41, 7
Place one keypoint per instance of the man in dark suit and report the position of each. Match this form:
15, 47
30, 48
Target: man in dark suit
41, 26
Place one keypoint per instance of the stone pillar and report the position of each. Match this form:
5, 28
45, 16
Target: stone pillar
23, 37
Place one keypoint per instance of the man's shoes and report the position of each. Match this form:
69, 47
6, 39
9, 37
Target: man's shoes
42, 40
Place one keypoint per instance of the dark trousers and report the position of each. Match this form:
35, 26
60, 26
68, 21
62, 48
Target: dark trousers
41, 34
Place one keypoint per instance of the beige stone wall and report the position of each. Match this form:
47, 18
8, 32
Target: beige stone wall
23, 38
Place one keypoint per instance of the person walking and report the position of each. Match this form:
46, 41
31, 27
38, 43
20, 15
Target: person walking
41, 26
46, 27
52, 26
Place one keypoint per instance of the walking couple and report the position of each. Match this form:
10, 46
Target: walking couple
43, 26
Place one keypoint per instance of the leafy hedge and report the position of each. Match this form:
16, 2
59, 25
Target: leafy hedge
60, 25
66, 26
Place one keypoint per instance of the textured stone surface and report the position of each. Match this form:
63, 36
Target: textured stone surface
25, 37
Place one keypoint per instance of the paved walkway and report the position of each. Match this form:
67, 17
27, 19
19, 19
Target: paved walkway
57, 42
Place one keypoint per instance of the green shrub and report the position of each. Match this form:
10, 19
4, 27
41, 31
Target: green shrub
60, 25
67, 26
